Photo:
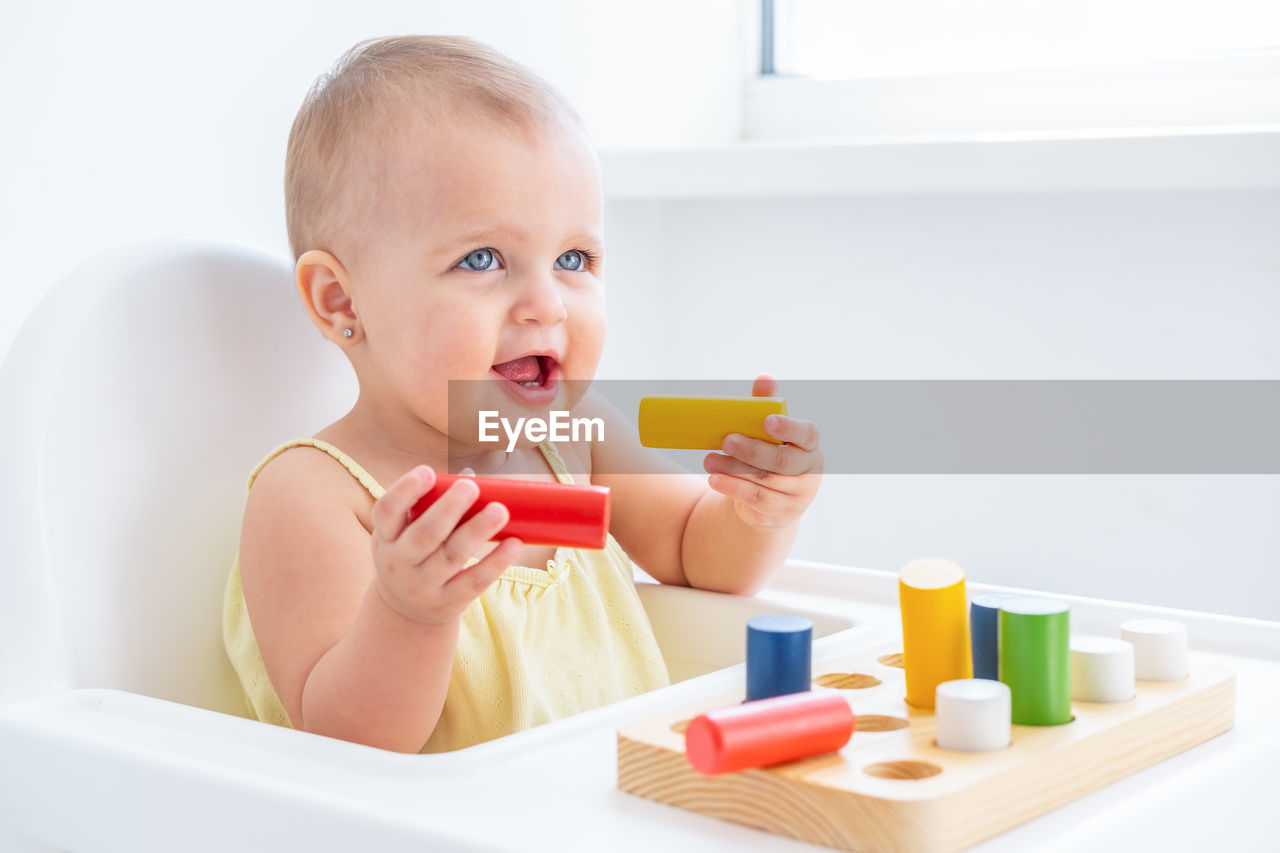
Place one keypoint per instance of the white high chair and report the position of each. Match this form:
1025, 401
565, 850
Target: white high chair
136, 400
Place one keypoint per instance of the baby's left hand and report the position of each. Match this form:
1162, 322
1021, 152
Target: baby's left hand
770, 484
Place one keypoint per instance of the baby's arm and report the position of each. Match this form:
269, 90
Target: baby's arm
358, 627
730, 533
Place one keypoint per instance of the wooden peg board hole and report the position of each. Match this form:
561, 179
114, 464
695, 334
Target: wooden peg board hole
892, 789
847, 680
868, 723
903, 769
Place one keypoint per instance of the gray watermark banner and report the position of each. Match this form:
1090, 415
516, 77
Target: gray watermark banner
963, 427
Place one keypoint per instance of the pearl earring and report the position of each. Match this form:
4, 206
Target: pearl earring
346, 333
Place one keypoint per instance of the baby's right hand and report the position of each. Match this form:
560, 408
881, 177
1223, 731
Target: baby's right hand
421, 565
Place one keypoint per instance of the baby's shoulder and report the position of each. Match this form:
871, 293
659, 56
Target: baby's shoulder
302, 484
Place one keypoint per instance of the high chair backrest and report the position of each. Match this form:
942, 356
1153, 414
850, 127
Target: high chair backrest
136, 400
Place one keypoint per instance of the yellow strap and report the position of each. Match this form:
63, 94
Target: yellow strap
352, 466
556, 462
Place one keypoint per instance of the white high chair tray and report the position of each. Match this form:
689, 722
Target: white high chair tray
107, 770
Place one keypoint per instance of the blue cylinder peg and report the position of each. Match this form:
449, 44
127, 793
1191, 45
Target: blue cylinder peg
779, 655
984, 626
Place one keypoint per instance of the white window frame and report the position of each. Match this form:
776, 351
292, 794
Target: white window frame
1213, 92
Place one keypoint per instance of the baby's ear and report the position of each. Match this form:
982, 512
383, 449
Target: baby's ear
325, 290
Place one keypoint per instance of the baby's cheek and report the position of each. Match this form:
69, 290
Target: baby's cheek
587, 349
458, 343
589, 325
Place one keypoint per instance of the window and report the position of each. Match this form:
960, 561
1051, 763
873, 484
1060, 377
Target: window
860, 38
936, 67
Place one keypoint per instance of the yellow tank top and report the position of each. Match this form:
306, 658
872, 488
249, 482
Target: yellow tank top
533, 647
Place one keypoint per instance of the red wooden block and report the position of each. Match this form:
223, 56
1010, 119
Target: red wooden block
768, 731
541, 513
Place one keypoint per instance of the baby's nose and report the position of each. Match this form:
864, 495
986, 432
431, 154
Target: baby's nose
539, 300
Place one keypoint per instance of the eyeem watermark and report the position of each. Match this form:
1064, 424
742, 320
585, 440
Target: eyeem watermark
979, 427
559, 427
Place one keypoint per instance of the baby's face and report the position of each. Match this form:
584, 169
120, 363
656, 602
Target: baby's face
483, 261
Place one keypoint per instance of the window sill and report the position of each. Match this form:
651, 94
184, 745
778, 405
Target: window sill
1147, 159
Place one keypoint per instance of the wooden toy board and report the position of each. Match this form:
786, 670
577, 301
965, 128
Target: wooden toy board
891, 789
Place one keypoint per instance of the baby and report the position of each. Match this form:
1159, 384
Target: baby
444, 208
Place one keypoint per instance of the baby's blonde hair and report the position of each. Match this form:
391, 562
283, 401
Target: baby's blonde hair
360, 94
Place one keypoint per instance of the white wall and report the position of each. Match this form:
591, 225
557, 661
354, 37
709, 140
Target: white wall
144, 118
1088, 286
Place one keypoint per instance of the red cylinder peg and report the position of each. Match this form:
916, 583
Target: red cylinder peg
542, 513
768, 731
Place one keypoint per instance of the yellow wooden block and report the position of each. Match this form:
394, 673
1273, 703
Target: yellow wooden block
935, 627
701, 423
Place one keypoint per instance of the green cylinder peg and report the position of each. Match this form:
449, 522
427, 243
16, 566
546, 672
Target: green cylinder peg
1035, 660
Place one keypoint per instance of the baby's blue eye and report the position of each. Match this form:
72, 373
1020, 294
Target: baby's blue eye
481, 260
571, 260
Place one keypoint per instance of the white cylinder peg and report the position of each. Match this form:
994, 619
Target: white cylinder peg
1101, 669
973, 714
1159, 648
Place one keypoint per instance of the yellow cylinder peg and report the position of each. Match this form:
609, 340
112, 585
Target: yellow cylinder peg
935, 627
701, 423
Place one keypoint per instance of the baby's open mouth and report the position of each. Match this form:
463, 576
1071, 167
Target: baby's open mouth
531, 371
